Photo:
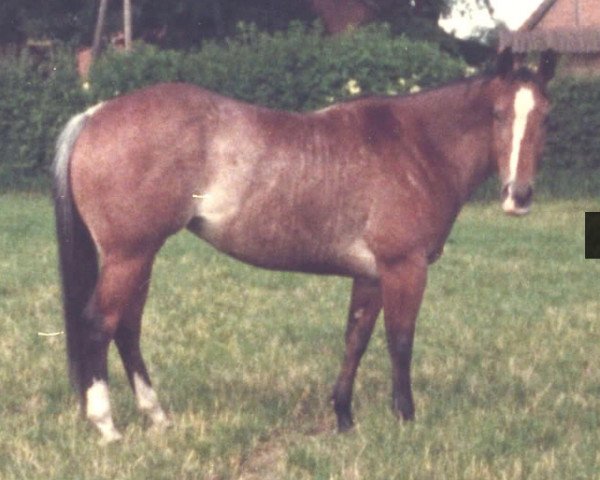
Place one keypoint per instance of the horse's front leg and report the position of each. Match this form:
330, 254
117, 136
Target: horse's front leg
365, 306
403, 283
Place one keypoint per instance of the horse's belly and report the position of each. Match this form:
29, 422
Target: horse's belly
275, 240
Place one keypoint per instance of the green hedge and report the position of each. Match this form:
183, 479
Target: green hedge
35, 101
574, 126
298, 69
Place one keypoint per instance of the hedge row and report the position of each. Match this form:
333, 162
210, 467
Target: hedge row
294, 70
574, 124
34, 102
297, 70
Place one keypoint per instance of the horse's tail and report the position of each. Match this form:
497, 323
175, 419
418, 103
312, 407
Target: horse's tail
77, 254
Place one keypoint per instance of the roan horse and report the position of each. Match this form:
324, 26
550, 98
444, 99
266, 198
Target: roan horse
367, 188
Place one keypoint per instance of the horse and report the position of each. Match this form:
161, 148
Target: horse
368, 188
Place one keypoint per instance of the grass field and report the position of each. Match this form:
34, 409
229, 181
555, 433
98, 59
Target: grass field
506, 368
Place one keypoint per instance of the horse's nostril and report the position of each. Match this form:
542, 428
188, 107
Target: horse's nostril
522, 195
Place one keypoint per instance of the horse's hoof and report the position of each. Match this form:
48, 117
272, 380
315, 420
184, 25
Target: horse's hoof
345, 424
161, 426
109, 437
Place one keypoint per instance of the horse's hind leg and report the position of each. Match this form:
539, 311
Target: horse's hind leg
120, 281
127, 339
365, 306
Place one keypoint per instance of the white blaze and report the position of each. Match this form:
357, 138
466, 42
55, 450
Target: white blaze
524, 104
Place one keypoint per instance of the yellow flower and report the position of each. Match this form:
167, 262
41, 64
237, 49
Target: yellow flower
352, 87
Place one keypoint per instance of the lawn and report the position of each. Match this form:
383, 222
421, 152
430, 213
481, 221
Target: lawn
506, 372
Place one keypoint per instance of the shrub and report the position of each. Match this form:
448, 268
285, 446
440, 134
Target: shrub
574, 126
116, 73
21, 88
35, 101
298, 69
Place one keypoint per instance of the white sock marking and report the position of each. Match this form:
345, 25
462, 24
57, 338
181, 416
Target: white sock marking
524, 104
147, 401
98, 411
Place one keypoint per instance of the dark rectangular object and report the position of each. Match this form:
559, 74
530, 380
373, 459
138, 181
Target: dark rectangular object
592, 234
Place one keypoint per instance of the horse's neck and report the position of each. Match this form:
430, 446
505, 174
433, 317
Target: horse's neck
460, 126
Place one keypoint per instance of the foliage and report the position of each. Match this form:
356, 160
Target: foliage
187, 23
573, 130
35, 100
66, 20
116, 73
20, 87
295, 70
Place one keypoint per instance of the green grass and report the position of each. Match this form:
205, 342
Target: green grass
506, 371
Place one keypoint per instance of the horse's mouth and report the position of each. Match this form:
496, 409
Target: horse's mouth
516, 199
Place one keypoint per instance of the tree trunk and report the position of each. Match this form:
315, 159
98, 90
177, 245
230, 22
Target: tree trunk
99, 29
127, 24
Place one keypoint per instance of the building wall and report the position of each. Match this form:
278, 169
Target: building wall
589, 13
572, 13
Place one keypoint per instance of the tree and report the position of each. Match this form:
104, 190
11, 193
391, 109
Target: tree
127, 24
186, 23
100, 22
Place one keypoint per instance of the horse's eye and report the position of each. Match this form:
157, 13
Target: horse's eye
499, 115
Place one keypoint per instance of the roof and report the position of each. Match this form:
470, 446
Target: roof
568, 40
564, 40
537, 15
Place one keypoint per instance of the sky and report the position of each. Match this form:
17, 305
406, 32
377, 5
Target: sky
512, 12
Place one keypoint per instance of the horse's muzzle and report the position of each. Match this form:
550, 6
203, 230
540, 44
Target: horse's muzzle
516, 199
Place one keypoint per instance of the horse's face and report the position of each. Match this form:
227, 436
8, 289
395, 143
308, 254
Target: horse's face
520, 110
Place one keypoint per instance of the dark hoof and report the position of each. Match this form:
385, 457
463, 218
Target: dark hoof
403, 410
345, 424
409, 417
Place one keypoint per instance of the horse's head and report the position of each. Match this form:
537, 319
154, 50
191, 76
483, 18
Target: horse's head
520, 108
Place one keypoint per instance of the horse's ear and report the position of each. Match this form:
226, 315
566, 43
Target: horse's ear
505, 62
547, 67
